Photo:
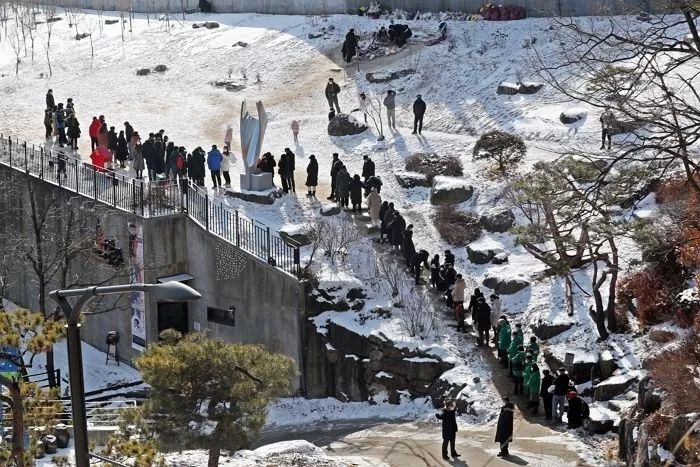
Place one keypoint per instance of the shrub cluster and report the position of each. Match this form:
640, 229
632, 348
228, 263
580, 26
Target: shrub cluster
431, 165
457, 228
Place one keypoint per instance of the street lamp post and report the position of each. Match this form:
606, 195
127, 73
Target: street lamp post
168, 291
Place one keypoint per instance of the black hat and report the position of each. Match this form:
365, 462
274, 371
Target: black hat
312, 156
365, 156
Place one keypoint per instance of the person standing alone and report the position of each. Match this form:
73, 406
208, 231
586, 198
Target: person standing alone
449, 429
214, 159
418, 112
504, 428
607, 122
390, 104
332, 91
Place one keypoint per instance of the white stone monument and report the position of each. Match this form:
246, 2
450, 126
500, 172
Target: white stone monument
252, 134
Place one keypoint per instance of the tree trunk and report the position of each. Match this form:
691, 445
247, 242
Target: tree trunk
17, 409
569, 295
688, 14
214, 454
612, 318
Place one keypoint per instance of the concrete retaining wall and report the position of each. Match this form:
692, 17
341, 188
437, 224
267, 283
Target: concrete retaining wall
319, 7
269, 303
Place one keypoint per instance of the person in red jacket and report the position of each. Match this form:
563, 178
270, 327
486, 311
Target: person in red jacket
93, 130
99, 156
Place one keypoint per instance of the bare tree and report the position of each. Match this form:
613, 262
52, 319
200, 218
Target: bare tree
16, 44
374, 112
334, 235
391, 274
418, 317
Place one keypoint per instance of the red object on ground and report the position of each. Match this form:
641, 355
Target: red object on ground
99, 157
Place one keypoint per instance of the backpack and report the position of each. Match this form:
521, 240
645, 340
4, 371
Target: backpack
180, 161
585, 410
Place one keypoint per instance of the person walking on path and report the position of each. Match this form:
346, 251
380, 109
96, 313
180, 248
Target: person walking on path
504, 427
342, 189
226, 166
214, 159
503, 341
578, 411
228, 137
390, 104
349, 49
532, 385
129, 134
449, 429
435, 271
364, 104
473, 307
607, 122
335, 168
312, 176
418, 112
332, 91
93, 130
385, 216
547, 381
458, 302
408, 249
291, 158
561, 389
295, 130
374, 205
396, 229
367, 167
483, 321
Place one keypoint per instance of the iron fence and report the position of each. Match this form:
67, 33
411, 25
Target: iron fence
152, 199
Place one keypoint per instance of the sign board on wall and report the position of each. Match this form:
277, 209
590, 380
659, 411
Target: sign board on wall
137, 299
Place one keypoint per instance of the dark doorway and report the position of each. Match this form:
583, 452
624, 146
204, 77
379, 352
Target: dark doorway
172, 316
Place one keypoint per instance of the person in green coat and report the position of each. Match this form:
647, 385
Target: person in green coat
515, 342
517, 364
533, 347
527, 370
533, 388
503, 341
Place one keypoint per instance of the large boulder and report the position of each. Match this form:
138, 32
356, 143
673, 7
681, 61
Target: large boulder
680, 426
569, 117
450, 190
613, 387
349, 342
648, 398
508, 89
412, 180
581, 364
345, 125
143, 72
349, 383
294, 235
606, 365
421, 369
498, 219
160, 68
442, 390
211, 25
601, 420
530, 88
484, 251
504, 285
546, 331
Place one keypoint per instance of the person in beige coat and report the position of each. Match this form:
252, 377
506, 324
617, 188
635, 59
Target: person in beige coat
458, 301
374, 204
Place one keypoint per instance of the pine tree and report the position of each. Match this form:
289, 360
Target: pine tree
208, 393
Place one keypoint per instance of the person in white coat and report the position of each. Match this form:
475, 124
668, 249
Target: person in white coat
495, 314
374, 204
226, 166
364, 102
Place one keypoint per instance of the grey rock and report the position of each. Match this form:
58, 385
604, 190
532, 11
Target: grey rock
384, 77
412, 179
355, 293
581, 371
349, 383
648, 398
612, 387
500, 258
211, 25
569, 118
607, 365
507, 89
441, 390
506, 285
329, 209
499, 219
599, 426
143, 72
546, 331
394, 397
449, 194
332, 355
160, 68
348, 341
531, 88
345, 125
483, 253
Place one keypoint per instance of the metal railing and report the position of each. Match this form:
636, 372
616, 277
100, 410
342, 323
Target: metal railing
152, 199
98, 413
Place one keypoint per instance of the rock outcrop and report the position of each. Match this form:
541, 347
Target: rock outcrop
450, 190
498, 219
345, 125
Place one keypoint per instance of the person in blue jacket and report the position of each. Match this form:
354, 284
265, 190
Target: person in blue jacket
214, 158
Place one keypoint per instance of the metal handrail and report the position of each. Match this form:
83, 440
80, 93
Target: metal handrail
153, 199
98, 413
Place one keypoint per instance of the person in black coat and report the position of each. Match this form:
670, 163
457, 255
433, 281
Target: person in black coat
73, 131
367, 168
473, 305
336, 164
418, 112
547, 381
419, 260
483, 321
122, 150
356, 187
267, 163
407, 247
435, 271
577, 412
504, 428
283, 168
148, 152
382, 223
50, 101
291, 160
449, 257
349, 49
449, 429
312, 176
159, 150
373, 182
396, 229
